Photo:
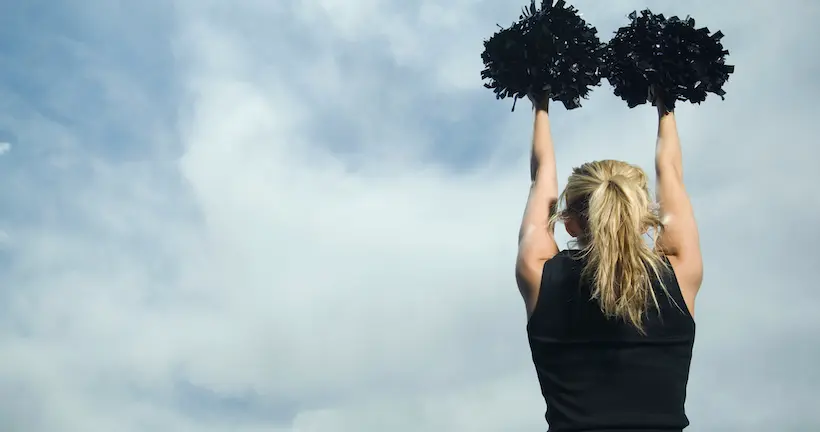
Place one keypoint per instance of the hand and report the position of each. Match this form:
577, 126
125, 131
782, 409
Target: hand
657, 101
653, 96
541, 103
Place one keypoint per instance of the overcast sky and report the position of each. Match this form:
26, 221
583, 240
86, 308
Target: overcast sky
299, 216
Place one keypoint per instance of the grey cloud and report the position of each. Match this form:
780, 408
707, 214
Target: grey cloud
296, 274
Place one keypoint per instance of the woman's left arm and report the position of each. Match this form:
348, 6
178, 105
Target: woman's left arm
536, 237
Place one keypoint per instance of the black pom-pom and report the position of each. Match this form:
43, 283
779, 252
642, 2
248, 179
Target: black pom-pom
668, 59
550, 52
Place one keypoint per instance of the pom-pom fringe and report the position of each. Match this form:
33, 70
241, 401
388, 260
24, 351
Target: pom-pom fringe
550, 52
668, 59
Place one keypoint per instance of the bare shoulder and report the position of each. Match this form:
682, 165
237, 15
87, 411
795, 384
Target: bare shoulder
536, 246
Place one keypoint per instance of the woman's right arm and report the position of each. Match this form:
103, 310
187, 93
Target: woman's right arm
536, 237
679, 237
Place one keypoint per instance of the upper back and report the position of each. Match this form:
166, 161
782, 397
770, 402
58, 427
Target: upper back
600, 372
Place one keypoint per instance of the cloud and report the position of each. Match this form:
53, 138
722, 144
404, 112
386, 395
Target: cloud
301, 216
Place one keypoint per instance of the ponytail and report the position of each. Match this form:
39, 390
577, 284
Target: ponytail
620, 263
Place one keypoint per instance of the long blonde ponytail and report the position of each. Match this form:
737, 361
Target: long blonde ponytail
610, 201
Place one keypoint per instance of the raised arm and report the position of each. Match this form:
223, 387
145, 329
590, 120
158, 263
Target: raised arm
536, 240
679, 236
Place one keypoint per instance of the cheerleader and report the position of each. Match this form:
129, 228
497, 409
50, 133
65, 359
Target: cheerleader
610, 323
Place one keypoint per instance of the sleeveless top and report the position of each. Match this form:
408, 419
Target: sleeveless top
599, 374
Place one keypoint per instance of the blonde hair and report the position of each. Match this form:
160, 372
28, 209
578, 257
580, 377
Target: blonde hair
610, 201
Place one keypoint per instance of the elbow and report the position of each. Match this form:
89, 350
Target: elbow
669, 167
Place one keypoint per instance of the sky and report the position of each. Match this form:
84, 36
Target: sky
301, 216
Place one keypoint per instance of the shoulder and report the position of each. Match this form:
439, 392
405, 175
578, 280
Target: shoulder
554, 272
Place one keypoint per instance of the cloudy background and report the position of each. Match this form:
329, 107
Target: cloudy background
300, 216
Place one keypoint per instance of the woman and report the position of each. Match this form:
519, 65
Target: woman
610, 324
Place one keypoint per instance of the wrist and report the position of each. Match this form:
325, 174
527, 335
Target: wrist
541, 115
542, 106
662, 111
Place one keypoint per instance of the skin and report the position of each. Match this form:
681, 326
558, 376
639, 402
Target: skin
680, 239
536, 239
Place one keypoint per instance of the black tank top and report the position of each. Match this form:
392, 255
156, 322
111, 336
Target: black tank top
599, 374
